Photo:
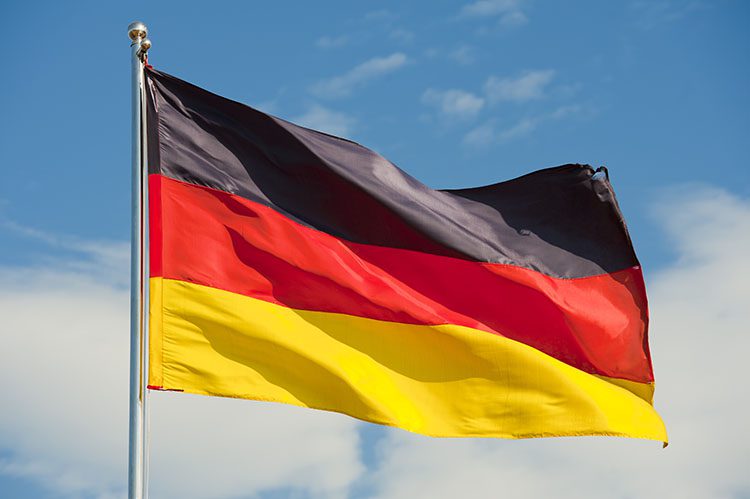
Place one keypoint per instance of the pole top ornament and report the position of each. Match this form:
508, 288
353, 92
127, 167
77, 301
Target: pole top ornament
137, 31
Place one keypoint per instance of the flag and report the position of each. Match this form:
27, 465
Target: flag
292, 266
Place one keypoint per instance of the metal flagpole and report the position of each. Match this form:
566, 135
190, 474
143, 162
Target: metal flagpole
137, 433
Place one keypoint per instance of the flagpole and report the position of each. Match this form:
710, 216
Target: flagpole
137, 33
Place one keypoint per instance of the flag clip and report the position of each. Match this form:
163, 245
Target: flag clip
601, 173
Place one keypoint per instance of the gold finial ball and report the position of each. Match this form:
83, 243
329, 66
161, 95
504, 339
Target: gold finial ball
145, 45
137, 30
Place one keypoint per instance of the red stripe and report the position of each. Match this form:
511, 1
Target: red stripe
210, 237
162, 389
156, 231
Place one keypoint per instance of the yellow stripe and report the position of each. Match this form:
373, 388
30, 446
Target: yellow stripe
444, 380
156, 335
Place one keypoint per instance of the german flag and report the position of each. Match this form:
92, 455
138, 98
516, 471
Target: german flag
293, 266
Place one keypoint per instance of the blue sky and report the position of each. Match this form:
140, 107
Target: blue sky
457, 94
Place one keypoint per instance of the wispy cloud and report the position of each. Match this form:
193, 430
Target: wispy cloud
344, 85
401, 35
107, 259
481, 136
528, 86
330, 42
326, 120
465, 105
488, 133
382, 15
508, 12
463, 54
652, 14
454, 104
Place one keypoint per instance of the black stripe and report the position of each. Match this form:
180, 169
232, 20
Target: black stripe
557, 221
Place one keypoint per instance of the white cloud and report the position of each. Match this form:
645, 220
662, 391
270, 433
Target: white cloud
463, 54
460, 104
383, 15
63, 373
326, 120
103, 259
330, 42
528, 86
246, 447
64, 382
515, 18
524, 127
653, 14
481, 136
401, 35
343, 85
508, 12
454, 104
487, 133
700, 340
